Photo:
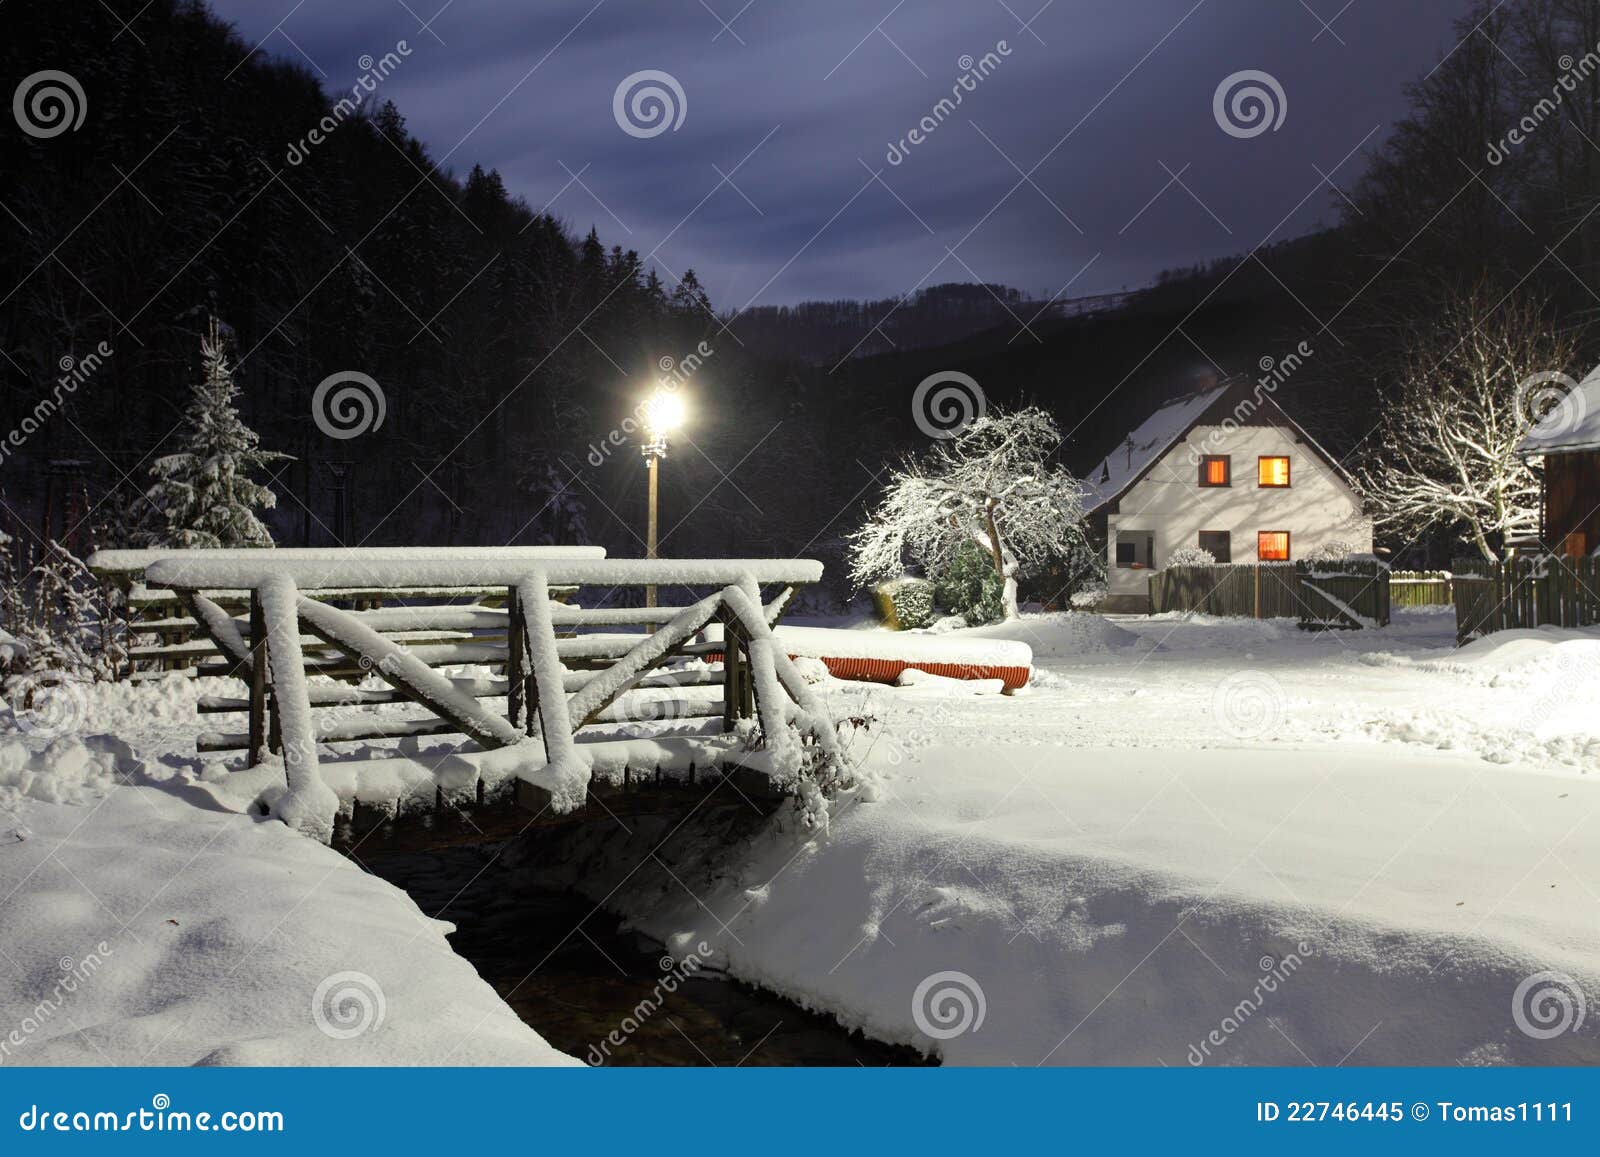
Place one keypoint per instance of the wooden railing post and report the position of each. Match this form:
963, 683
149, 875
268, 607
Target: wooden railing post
738, 698
258, 680
522, 684
516, 702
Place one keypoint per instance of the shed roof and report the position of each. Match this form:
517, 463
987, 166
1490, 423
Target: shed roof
1573, 424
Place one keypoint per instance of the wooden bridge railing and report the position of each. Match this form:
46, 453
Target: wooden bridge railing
550, 696
164, 634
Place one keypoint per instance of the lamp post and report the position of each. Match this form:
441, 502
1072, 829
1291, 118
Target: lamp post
663, 413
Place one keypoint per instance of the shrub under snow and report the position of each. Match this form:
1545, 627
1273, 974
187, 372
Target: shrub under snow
1191, 556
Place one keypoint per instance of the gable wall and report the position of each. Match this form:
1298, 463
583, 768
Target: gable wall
1317, 509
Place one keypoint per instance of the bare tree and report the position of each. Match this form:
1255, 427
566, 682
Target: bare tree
1447, 448
990, 485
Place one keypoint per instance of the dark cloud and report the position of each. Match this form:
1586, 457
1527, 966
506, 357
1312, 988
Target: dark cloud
1106, 103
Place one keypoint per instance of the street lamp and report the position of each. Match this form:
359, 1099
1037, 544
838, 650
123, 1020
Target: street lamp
663, 413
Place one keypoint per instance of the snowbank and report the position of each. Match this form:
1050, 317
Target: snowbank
1120, 907
63, 770
1057, 635
142, 930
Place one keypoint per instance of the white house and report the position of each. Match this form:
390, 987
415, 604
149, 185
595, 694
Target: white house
1226, 470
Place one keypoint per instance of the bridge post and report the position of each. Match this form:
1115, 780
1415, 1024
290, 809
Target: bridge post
738, 697
258, 680
516, 703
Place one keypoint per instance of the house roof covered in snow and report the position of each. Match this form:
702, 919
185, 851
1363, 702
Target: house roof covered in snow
1572, 424
1144, 446
1238, 400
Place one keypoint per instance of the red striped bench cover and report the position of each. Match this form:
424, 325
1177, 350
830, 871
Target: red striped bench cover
880, 656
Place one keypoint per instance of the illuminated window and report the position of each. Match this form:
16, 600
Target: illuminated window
1272, 545
1215, 470
1273, 472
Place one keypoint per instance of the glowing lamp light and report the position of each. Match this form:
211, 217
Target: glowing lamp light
664, 412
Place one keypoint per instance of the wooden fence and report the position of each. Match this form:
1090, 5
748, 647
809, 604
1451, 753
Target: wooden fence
1529, 592
1260, 592
1349, 593
1417, 588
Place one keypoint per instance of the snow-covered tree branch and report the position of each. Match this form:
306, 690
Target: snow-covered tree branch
991, 485
1446, 450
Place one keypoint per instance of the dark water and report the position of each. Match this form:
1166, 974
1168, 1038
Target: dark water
574, 975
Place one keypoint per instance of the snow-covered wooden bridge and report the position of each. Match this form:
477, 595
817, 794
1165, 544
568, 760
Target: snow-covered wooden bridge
563, 668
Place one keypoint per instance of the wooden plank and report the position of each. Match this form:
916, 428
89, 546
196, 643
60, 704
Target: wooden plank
672, 641
348, 731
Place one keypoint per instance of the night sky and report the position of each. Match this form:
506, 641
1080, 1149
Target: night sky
767, 188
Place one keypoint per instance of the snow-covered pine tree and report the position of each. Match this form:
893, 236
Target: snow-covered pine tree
992, 486
203, 496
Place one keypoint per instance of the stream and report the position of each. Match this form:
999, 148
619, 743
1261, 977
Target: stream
574, 975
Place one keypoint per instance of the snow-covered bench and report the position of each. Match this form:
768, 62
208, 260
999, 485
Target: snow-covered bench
883, 656
533, 746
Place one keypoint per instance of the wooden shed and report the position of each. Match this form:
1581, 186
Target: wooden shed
1567, 439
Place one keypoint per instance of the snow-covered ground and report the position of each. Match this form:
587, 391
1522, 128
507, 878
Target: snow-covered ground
139, 925
1189, 841
1192, 842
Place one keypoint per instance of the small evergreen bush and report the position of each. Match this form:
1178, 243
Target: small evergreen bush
906, 604
970, 588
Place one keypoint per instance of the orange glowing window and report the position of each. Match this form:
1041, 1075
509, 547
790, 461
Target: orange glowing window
1215, 470
1272, 545
1273, 472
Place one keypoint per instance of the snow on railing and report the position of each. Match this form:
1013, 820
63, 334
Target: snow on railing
183, 572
